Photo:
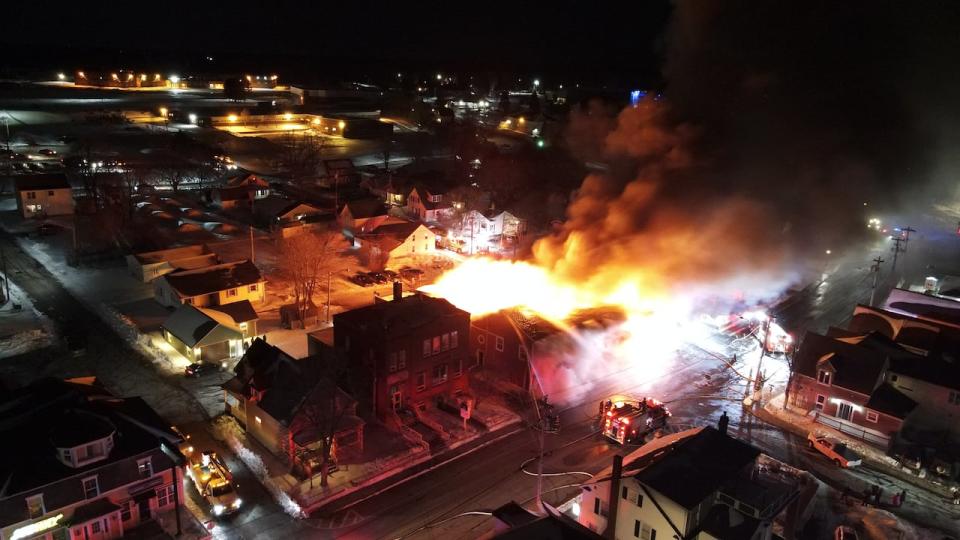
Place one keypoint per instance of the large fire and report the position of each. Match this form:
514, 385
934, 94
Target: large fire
655, 325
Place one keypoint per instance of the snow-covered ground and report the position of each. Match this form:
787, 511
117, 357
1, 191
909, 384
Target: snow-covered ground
25, 329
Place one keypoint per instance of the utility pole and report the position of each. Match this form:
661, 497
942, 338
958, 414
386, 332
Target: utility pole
6, 276
329, 274
252, 251
876, 276
897, 250
763, 351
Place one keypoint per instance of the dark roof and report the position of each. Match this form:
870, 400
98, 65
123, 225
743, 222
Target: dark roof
42, 181
366, 208
391, 235
214, 278
857, 368
933, 370
79, 426
940, 313
240, 312
696, 466
400, 316
29, 414
98, 508
718, 524
889, 400
549, 527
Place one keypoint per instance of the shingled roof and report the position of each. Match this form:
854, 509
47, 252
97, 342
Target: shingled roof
220, 277
399, 316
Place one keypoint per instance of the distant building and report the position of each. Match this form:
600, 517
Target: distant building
428, 205
80, 463
211, 286
363, 215
42, 195
406, 353
277, 399
150, 265
479, 233
211, 334
119, 79
699, 483
242, 189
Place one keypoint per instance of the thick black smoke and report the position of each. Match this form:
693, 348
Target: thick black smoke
778, 121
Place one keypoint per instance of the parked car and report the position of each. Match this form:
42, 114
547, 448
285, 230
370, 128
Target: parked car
378, 277
836, 450
361, 279
47, 152
844, 532
391, 275
410, 273
197, 369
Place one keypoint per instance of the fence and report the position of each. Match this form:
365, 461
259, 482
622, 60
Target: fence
854, 430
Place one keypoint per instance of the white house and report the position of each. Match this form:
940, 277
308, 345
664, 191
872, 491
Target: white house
398, 240
148, 266
41, 195
696, 484
479, 233
211, 286
428, 206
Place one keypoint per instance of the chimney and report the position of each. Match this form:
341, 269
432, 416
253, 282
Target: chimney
397, 291
722, 424
614, 503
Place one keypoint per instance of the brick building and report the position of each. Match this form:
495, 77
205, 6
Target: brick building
406, 352
78, 462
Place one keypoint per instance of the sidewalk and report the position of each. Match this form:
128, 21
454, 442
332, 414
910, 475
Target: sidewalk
801, 424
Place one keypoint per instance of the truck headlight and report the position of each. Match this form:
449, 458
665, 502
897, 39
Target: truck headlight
237, 503
218, 509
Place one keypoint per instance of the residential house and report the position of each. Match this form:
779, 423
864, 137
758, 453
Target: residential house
428, 204
933, 378
841, 378
363, 215
406, 353
240, 190
80, 463
389, 188
40, 195
211, 286
150, 265
278, 400
511, 346
340, 172
397, 238
698, 483
211, 334
291, 217
480, 233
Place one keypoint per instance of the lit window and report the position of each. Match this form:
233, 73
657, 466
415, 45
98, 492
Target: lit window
499, 343
436, 344
820, 401
823, 376
144, 468
259, 421
445, 342
90, 487
872, 417
35, 506
454, 339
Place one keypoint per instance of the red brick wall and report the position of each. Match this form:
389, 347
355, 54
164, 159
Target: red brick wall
506, 365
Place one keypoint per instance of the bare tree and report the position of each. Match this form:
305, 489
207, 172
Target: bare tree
301, 155
322, 412
308, 260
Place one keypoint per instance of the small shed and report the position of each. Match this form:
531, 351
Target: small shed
290, 318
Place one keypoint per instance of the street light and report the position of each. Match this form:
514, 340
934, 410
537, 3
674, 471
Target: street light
536, 83
193, 118
163, 112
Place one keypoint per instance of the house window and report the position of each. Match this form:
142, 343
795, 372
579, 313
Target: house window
50, 193
421, 381
480, 355
165, 496
454, 339
426, 348
600, 507
31, 194
402, 360
258, 420
893, 378
640, 500
820, 401
232, 292
188, 301
458, 368
522, 353
393, 362
624, 492
499, 344
872, 417
90, 487
436, 344
445, 342
954, 398
253, 288
439, 374
643, 531
95, 526
481, 339
144, 468
35, 506
125, 507
596, 506
823, 376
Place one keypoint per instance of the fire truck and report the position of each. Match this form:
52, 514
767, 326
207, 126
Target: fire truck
629, 421
213, 480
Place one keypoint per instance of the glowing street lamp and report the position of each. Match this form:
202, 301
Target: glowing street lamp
163, 112
61, 77
536, 83
193, 118
341, 124
232, 118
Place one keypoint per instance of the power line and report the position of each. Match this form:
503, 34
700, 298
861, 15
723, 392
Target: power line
876, 275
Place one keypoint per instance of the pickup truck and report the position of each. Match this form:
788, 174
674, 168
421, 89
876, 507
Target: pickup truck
214, 482
835, 450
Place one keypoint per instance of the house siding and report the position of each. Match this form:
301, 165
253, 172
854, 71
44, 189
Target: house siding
58, 204
806, 389
934, 409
